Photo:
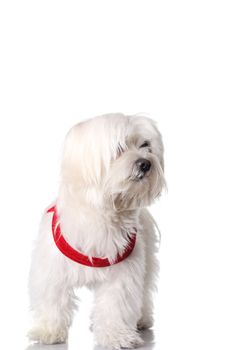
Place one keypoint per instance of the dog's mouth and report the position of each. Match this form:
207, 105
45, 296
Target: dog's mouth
140, 175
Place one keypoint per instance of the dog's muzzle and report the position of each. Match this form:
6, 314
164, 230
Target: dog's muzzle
142, 167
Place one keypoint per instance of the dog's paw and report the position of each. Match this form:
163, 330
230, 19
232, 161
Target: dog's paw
145, 323
45, 336
119, 338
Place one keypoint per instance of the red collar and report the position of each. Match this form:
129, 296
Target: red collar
78, 257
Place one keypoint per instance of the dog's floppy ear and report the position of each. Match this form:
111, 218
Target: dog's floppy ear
158, 141
82, 161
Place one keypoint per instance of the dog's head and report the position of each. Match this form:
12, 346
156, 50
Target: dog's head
114, 160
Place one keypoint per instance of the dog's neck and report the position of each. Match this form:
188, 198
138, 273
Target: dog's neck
95, 231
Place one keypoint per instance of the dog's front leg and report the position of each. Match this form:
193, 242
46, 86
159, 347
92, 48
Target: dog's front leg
52, 307
118, 304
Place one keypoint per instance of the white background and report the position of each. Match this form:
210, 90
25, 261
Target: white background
62, 61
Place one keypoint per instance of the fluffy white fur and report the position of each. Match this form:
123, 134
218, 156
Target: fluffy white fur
101, 199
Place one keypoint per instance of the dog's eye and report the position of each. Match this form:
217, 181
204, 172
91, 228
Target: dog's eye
145, 144
120, 150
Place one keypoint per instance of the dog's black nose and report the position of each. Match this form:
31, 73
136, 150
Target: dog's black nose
143, 164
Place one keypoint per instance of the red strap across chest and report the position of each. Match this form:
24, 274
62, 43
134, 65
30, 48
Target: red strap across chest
78, 257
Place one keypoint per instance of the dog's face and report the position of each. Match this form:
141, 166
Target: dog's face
114, 161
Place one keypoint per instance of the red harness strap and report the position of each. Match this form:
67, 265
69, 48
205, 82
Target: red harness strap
78, 257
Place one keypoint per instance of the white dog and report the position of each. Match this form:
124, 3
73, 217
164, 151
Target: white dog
99, 234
